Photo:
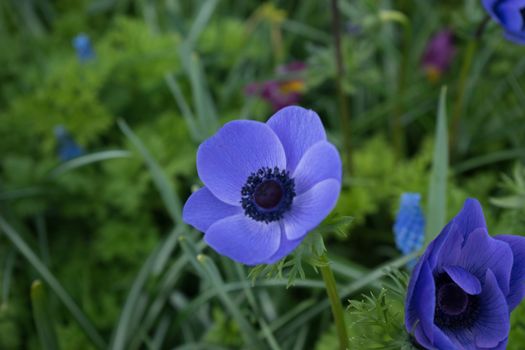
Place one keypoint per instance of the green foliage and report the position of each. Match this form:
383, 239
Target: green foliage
309, 251
378, 319
224, 330
172, 70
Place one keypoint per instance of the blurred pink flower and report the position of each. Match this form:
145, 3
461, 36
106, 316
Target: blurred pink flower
283, 91
439, 54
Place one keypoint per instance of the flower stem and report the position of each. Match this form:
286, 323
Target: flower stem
335, 302
465, 70
344, 114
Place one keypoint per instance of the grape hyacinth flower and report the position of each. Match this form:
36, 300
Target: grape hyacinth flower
409, 228
284, 91
266, 185
67, 147
438, 54
82, 45
510, 14
465, 285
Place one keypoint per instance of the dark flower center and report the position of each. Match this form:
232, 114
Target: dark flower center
522, 11
454, 307
267, 194
452, 300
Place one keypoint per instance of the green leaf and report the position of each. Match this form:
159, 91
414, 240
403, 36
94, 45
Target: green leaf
437, 194
86, 160
53, 283
168, 194
42, 317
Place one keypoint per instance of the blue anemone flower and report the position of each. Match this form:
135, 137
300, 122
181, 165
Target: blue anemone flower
409, 228
266, 185
510, 14
465, 285
67, 147
82, 45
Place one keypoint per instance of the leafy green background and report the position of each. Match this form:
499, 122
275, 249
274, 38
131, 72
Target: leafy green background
165, 76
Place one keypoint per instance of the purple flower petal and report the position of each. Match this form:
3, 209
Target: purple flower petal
470, 217
490, 6
517, 277
244, 240
450, 248
509, 15
420, 306
285, 248
202, 209
492, 325
482, 252
298, 129
239, 148
516, 37
467, 281
310, 208
320, 162
441, 340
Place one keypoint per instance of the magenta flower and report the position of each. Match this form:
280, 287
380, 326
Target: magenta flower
439, 53
266, 185
464, 287
283, 91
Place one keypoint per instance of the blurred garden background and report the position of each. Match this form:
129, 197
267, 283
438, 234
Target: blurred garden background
103, 104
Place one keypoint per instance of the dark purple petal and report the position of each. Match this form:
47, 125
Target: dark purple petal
470, 217
509, 15
464, 279
320, 162
450, 249
239, 148
310, 208
434, 248
490, 6
298, 129
202, 209
517, 276
244, 240
492, 324
501, 346
420, 305
441, 340
482, 252
516, 37
285, 248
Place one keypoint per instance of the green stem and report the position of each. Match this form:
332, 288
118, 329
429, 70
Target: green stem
458, 107
335, 302
463, 77
399, 135
344, 114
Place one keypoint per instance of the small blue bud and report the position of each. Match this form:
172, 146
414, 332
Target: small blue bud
67, 147
82, 45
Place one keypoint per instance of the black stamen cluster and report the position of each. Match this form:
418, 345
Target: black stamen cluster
461, 321
260, 177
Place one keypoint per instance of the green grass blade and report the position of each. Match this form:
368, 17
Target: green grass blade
42, 317
86, 160
122, 330
437, 194
185, 109
202, 19
7, 274
346, 292
488, 159
53, 283
167, 193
